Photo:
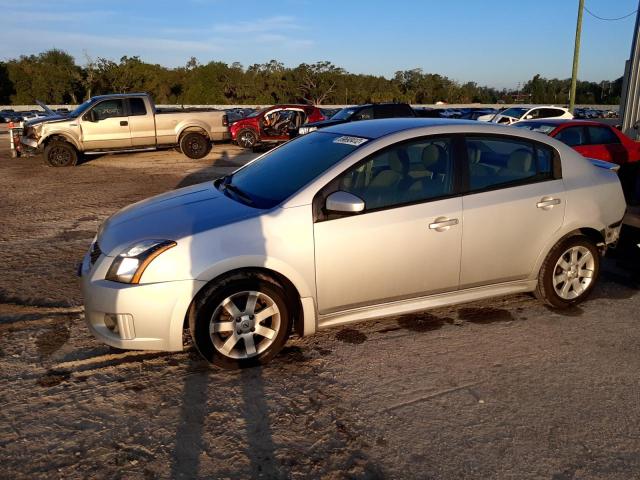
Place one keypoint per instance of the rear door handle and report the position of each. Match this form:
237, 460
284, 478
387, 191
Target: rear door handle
123, 123
547, 203
442, 224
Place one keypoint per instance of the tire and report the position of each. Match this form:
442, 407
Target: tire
220, 304
569, 272
247, 138
59, 153
195, 145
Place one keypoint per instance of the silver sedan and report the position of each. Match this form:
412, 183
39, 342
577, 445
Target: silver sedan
358, 221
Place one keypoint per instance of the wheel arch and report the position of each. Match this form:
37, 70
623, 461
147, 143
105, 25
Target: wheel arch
61, 137
193, 128
592, 232
292, 292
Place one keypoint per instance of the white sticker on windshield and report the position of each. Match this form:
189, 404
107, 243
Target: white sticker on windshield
356, 141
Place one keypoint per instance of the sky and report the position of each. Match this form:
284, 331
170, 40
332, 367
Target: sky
498, 43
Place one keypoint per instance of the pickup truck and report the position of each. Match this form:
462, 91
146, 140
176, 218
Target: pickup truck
123, 123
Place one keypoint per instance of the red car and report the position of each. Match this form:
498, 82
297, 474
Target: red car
273, 124
591, 139
600, 141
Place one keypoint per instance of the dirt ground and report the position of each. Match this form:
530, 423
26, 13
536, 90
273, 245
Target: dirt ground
497, 389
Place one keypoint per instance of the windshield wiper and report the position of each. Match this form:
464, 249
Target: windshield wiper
225, 184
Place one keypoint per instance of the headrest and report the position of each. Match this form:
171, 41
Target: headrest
520, 160
432, 154
399, 160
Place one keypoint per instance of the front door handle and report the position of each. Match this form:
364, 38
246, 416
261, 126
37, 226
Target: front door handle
442, 224
547, 203
123, 123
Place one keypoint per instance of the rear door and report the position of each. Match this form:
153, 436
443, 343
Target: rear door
106, 126
514, 203
142, 123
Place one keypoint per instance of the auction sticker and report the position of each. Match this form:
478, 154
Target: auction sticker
356, 141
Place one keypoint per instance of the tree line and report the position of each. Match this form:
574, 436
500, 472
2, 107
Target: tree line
54, 77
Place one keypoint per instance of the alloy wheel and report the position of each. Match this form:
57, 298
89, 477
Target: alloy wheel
244, 325
573, 273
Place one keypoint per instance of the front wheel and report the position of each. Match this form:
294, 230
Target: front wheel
240, 322
569, 272
60, 154
247, 138
195, 145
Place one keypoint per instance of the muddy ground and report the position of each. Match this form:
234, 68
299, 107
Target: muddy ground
495, 389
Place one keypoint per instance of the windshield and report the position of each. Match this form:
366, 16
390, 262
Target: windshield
515, 112
541, 127
344, 114
257, 112
80, 109
280, 173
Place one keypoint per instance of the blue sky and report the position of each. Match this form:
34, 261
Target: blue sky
493, 42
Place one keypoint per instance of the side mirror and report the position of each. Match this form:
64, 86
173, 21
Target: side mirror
528, 117
90, 116
344, 202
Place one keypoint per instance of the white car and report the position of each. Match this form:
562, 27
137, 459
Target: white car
356, 221
516, 114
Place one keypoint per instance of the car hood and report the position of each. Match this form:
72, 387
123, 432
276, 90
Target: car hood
324, 123
172, 216
49, 119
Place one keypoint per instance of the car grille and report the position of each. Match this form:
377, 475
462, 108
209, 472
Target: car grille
95, 253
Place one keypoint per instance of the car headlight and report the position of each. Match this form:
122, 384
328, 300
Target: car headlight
304, 130
129, 266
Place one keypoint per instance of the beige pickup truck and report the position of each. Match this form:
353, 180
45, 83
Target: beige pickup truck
123, 123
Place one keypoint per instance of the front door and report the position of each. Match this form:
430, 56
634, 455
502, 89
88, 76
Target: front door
515, 203
106, 126
407, 241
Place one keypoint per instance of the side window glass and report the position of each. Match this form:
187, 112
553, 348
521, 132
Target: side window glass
551, 112
602, 135
137, 107
572, 136
108, 109
405, 173
494, 162
364, 114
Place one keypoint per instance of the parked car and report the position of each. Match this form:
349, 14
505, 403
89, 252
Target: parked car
368, 111
272, 125
123, 122
357, 221
591, 139
600, 141
426, 112
516, 114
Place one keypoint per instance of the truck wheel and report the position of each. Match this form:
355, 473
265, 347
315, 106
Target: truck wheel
247, 138
58, 153
195, 145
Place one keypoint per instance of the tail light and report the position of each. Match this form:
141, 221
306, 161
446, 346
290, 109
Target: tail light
225, 120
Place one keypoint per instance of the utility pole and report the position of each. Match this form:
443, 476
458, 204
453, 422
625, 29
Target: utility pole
576, 56
630, 101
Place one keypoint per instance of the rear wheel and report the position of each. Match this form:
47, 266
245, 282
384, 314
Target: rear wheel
240, 322
247, 138
195, 145
58, 153
569, 272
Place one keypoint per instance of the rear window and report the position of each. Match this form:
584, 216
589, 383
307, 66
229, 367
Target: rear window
283, 171
137, 106
602, 135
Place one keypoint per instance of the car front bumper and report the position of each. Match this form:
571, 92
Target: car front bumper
142, 317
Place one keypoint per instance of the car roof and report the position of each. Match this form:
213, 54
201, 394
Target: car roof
379, 128
565, 121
